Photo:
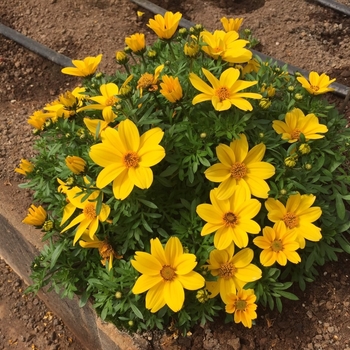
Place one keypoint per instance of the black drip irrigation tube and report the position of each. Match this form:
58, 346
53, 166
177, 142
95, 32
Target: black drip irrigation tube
339, 89
36, 47
335, 6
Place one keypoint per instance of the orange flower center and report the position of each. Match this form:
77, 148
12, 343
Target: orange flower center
238, 170
291, 220
167, 272
89, 211
314, 87
230, 219
131, 159
227, 270
241, 305
111, 101
295, 134
277, 245
145, 81
223, 93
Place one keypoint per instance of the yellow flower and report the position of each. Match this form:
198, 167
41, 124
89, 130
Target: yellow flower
231, 24
75, 164
171, 88
126, 158
66, 105
37, 119
317, 84
224, 91
139, 13
278, 244
232, 271
240, 167
230, 219
297, 123
106, 251
191, 49
165, 27
36, 216
149, 81
25, 167
89, 218
252, 66
297, 216
95, 125
83, 68
105, 101
166, 272
228, 46
136, 42
243, 306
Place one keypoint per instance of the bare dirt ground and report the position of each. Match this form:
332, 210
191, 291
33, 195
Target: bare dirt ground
302, 33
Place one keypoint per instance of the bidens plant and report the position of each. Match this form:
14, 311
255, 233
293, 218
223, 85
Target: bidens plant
196, 180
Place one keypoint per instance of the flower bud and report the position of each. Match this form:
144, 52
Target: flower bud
121, 57
304, 148
308, 166
75, 164
203, 135
118, 295
265, 103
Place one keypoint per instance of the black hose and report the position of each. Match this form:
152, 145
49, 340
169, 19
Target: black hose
339, 89
36, 47
335, 6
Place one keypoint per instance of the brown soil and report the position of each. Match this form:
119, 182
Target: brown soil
301, 33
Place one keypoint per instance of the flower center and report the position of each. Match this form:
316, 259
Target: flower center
111, 101
230, 219
291, 220
295, 134
145, 81
314, 87
238, 170
223, 93
131, 159
167, 272
277, 245
89, 211
241, 305
227, 270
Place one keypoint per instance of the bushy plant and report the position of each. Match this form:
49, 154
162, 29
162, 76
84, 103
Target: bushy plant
198, 179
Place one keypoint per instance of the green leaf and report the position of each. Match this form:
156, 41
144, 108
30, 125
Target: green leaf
136, 311
287, 295
148, 203
344, 244
339, 205
55, 255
